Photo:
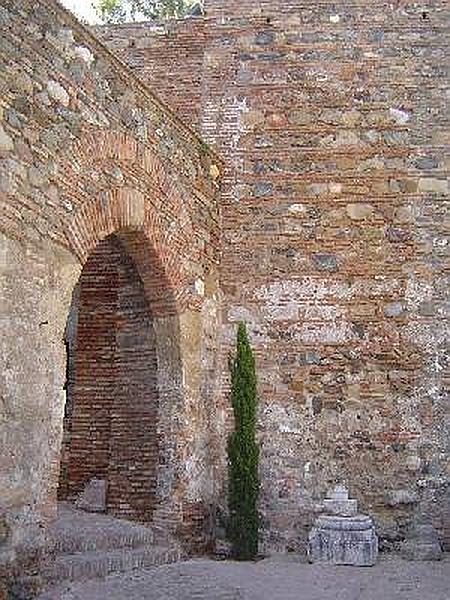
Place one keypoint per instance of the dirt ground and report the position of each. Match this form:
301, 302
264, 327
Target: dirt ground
276, 578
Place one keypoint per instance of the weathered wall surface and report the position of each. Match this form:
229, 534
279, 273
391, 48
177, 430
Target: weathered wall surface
170, 56
35, 295
332, 116
87, 151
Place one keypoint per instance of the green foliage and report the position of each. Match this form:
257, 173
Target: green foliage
243, 453
121, 11
204, 147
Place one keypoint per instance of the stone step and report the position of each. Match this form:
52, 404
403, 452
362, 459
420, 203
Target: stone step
77, 542
75, 532
93, 564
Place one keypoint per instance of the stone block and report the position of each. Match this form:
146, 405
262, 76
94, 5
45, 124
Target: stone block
394, 309
401, 496
430, 184
401, 117
6, 143
93, 497
57, 92
403, 214
422, 543
340, 504
343, 508
326, 262
346, 138
262, 188
264, 38
412, 550
397, 235
426, 163
359, 212
84, 54
340, 492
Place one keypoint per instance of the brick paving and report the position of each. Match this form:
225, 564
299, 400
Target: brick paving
277, 578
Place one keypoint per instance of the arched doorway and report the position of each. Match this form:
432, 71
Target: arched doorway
111, 413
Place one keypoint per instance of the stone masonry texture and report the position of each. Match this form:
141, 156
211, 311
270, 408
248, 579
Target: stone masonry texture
109, 281
130, 250
332, 119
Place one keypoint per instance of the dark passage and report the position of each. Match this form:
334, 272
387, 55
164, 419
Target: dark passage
110, 423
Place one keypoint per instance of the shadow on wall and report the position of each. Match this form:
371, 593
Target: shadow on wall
112, 398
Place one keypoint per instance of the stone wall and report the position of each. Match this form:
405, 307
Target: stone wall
332, 118
87, 151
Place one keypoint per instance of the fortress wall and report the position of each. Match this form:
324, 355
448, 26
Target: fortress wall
332, 118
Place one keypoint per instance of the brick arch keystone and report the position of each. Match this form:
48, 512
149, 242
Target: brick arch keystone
120, 146
127, 213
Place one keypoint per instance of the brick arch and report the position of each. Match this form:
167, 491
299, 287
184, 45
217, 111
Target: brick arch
152, 216
120, 148
151, 199
129, 214
123, 293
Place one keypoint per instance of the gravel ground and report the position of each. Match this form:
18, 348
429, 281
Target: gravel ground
276, 578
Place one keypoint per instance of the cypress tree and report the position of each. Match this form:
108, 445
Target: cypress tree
243, 453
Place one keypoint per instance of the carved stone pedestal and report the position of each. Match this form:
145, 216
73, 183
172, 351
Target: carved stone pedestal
343, 538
